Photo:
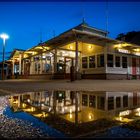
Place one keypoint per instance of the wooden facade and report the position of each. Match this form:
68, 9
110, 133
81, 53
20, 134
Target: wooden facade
92, 54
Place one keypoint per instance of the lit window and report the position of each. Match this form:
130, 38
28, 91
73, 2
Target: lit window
84, 100
91, 61
92, 101
110, 103
100, 60
101, 103
110, 60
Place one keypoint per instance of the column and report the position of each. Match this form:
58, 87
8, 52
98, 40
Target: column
31, 65
76, 108
54, 102
13, 70
20, 64
106, 102
23, 67
105, 57
41, 65
76, 60
18, 101
55, 61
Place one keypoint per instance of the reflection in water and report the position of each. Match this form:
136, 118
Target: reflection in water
78, 106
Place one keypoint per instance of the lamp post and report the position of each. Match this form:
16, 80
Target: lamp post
4, 37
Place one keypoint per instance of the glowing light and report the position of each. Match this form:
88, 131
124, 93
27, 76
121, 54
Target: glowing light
70, 116
123, 51
124, 113
44, 114
137, 53
137, 50
23, 105
62, 110
90, 116
15, 102
70, 47
28, 100
120, 118
4, 37
43, 56
32, 109
70, 110
90, 47
138, 109
49, 109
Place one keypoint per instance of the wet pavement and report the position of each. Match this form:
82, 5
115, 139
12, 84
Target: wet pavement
118, 132
17, 125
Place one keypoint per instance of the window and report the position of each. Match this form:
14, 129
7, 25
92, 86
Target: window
84, 100
101, 102
36, 65
100, 60
118, 102
124, 62
117, 61
91, 61
110, 60
110, 103
92, 101
125, 101
84, 62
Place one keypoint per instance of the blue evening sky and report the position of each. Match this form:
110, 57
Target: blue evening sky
24, 20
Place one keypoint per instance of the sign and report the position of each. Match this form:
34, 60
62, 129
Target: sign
123, 51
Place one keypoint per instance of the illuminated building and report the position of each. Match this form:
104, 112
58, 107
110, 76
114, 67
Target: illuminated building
89, 50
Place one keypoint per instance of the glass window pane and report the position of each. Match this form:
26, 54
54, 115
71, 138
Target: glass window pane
110, 60
110, 103
91, 61
124, 62
84, 100
117, 61
118, 102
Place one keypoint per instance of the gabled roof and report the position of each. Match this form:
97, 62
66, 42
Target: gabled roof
83, 28
14, 52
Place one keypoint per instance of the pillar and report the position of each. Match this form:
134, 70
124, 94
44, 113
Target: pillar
105, 58
55, 61
41, 68
31, 66
106, 101
23, 67
76, 60
13, 67
20, 63
76, 108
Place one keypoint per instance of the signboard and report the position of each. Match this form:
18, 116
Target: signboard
124, 51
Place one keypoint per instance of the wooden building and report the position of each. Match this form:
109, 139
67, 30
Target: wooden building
88, 50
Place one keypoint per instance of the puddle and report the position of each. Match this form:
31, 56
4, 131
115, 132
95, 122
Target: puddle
56, 113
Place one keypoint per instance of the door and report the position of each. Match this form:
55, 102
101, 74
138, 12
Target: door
68, 64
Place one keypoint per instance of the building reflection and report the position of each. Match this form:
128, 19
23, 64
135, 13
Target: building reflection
77, 106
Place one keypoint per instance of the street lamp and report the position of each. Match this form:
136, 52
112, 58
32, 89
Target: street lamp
4, 37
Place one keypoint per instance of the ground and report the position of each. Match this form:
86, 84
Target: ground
23, 85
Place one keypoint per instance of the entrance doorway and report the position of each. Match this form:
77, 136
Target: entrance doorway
68, 64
